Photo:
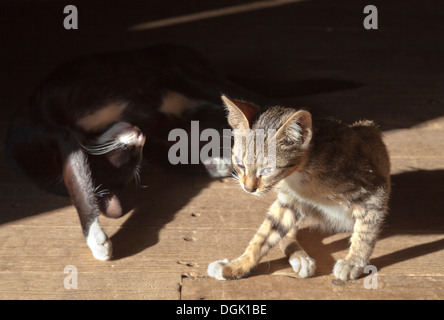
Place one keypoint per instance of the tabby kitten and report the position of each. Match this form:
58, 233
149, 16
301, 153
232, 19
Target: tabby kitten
334, 174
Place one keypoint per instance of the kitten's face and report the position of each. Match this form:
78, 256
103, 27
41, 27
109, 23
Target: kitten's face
259, 173
267, 148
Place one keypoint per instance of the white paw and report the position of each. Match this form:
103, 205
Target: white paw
218, 167
98, 242
215, 269
346, 271
304, 266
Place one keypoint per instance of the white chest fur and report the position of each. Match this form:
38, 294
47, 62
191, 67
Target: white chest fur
335, 213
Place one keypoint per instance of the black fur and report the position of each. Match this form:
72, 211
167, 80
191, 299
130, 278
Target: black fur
47, 144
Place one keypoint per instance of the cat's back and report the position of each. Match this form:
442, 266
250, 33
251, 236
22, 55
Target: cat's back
349, 152
333, 137
327, 130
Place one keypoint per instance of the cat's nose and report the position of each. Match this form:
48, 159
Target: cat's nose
140, 137
249, 189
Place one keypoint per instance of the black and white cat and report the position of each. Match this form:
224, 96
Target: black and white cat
88, 122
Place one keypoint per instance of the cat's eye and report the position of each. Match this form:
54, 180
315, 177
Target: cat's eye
266, 171
239, 163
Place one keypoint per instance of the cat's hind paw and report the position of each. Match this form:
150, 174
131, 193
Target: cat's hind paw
99, 243
344, 270
215, 269
304, 266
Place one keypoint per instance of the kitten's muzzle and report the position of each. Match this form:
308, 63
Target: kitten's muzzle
250, 189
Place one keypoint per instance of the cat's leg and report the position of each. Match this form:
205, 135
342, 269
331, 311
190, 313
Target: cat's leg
77, 178
300, 261
365, 231
278, 222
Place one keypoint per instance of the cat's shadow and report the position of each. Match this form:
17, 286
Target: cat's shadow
165, 192
415, 209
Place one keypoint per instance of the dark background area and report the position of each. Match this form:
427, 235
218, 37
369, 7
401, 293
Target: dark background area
314, 54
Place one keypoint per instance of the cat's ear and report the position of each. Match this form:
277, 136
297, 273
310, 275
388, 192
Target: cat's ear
240, 114
296, 130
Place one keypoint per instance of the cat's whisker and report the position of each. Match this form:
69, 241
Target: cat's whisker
102, 193
97, 188
101, 148
235, 177
137, 177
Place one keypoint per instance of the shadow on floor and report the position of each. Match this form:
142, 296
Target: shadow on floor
167, 191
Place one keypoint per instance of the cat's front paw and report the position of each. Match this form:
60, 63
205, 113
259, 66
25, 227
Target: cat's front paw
304, 266
345, 270
218, 167
225, 270
215, 269
99, 243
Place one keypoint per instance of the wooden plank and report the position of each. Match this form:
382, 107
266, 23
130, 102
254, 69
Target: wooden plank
91, 284
409, 266
415, 143
322, 287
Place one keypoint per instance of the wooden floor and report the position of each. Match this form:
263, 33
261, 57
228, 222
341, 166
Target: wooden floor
314, 54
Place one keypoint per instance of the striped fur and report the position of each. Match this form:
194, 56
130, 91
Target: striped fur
334, 174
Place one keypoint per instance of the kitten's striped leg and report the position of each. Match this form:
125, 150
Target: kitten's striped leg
278, 222
300, 261
362, 241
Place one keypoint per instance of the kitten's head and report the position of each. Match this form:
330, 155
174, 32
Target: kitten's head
268, 146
